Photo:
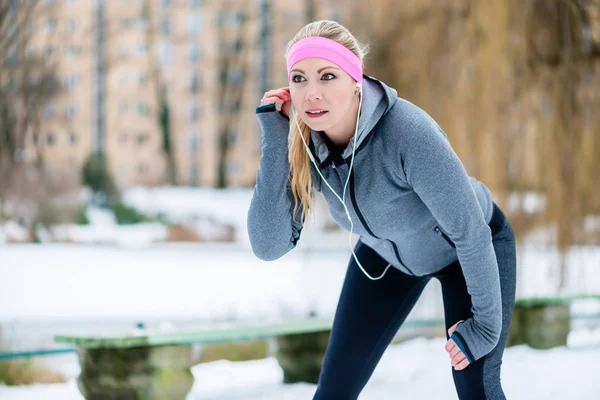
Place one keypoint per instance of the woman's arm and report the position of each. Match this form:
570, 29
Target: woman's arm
271, 228
437, 175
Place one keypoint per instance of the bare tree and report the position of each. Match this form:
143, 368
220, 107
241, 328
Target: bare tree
28, 82
233, 64
560, 46
161, 113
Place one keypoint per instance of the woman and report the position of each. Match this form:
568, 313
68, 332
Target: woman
387, 173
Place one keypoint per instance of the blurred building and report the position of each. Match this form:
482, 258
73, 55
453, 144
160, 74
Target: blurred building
210, 60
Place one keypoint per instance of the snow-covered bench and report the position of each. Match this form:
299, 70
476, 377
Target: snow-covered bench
149, 366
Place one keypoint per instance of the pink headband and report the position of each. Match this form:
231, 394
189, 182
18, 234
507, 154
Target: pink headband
320, 47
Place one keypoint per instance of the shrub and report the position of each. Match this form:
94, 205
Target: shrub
80, 217
95, 174
126, 215
19, 372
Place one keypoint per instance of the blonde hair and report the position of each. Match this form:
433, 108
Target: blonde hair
300, 177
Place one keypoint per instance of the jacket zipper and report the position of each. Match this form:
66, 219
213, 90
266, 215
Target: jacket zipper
442, 234
364, 222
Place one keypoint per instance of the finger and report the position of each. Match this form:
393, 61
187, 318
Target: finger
462, 365
278, 93
450, 345
453, 328
455, 351
457, 359
271, 100
280, 97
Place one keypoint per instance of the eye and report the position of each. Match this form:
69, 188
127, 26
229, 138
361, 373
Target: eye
297, 78
328, 76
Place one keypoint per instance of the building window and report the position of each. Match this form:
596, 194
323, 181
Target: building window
125, 22
236, 105
142, 48
141, 169
49, 51
232, 137
123, 168
123, 138
11, 86
49, 111
143, 109
194, 23
71, 81
72, 138
165, 53
141, 138
142, 79
71, 25
11, 55
50, 25
72, 51
193, 175
195, 3
166, 3
142, 22
193, 141
71, 111
50, 139
194, 82
230, 18
194, 112
194, 52
165, 25
123, 108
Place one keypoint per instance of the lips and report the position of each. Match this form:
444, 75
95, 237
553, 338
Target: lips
316, 113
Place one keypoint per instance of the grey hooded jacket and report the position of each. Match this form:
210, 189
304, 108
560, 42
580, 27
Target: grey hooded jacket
410, 199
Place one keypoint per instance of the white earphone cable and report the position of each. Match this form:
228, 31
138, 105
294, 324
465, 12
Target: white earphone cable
343, 198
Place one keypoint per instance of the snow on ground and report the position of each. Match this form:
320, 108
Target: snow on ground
179, 204
213, 282
415, 369
218, 282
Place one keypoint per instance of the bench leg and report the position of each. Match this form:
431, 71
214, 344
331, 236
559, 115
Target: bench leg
140, 373
301, 356
541, 327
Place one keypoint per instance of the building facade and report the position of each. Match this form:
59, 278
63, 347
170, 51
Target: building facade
123, 63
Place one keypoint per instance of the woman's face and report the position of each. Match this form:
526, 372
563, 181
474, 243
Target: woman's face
322, 94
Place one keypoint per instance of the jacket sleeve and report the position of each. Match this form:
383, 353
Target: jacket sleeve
272, 228
437, 175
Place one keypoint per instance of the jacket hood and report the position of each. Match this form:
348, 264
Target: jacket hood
377, 99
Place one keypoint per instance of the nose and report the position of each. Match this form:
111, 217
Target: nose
313, 93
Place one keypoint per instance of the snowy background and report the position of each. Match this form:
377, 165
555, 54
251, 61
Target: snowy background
108, 277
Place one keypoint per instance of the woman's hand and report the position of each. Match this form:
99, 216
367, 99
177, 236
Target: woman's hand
280, 96
457, 358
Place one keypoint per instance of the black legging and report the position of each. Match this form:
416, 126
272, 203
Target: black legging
369, 314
